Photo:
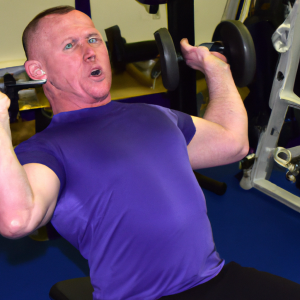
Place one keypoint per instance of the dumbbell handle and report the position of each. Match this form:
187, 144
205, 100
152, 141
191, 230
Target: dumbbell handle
25, 84
214, 47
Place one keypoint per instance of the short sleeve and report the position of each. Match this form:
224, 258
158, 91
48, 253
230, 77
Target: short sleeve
186, 125
36, 151
183, 121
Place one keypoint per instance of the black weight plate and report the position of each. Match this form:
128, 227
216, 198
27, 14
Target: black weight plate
168, 59
239, 50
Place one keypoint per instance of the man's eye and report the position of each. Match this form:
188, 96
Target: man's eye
92, 40
69, 46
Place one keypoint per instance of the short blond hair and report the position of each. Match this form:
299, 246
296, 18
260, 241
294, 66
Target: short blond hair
33, 25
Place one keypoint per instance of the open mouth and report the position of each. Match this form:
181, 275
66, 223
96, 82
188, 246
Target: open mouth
96, 73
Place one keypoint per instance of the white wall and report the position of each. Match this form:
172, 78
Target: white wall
131, 16
208, 14
135, 23
14, 17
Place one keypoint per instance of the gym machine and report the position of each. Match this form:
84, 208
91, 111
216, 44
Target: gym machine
257, 168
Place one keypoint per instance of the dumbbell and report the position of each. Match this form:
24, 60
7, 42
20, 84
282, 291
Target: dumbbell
11, 89
231, 38
122, 53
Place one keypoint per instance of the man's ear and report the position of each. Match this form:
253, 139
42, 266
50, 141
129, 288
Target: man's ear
34, 70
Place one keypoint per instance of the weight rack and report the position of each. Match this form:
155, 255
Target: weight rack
282, 97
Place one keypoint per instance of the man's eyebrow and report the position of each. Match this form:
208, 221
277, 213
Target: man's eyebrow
92, 34
88, 36
69, 38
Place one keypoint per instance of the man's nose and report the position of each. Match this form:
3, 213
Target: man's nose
89, 53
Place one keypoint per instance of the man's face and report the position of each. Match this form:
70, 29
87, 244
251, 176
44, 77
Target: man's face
75, 57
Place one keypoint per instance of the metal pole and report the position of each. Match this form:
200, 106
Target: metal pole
181, 25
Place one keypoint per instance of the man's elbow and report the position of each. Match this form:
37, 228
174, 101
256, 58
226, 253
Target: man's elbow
237, 147
14, 228
241, 149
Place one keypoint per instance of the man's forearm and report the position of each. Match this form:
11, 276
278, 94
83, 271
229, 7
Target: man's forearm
225, 107
222, 135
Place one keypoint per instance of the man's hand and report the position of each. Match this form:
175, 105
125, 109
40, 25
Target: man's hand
200, 58
4, 103
4, 116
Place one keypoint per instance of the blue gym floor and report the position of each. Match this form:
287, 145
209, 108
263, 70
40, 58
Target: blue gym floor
249, 228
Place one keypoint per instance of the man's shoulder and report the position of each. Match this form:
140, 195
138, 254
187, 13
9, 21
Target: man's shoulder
145, 107
38, 141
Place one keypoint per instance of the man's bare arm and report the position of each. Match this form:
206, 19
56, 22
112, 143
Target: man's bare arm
222, 135
28, 194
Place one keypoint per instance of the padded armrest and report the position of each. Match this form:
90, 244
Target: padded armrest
72, 289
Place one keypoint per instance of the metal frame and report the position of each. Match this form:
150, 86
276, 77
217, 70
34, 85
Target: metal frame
282, 97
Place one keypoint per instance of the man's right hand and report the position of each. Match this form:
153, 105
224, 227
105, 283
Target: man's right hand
4, 104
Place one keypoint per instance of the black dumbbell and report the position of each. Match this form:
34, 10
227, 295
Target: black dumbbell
11, 89
122, 53
231, 38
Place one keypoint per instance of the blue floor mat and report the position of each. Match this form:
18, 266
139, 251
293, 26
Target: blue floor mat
252, 228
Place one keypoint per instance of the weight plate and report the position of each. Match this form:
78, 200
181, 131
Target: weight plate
168, 59
239, 50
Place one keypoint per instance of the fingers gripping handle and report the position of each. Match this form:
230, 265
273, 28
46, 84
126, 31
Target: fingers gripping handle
169, 58
214, 47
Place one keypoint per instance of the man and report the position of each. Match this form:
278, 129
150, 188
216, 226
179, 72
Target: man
116, 179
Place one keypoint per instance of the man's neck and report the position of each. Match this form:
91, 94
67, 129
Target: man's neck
63, 103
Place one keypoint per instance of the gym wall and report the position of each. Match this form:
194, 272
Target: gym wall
135, 23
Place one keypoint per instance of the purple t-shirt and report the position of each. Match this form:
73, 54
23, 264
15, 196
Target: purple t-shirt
129, 200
